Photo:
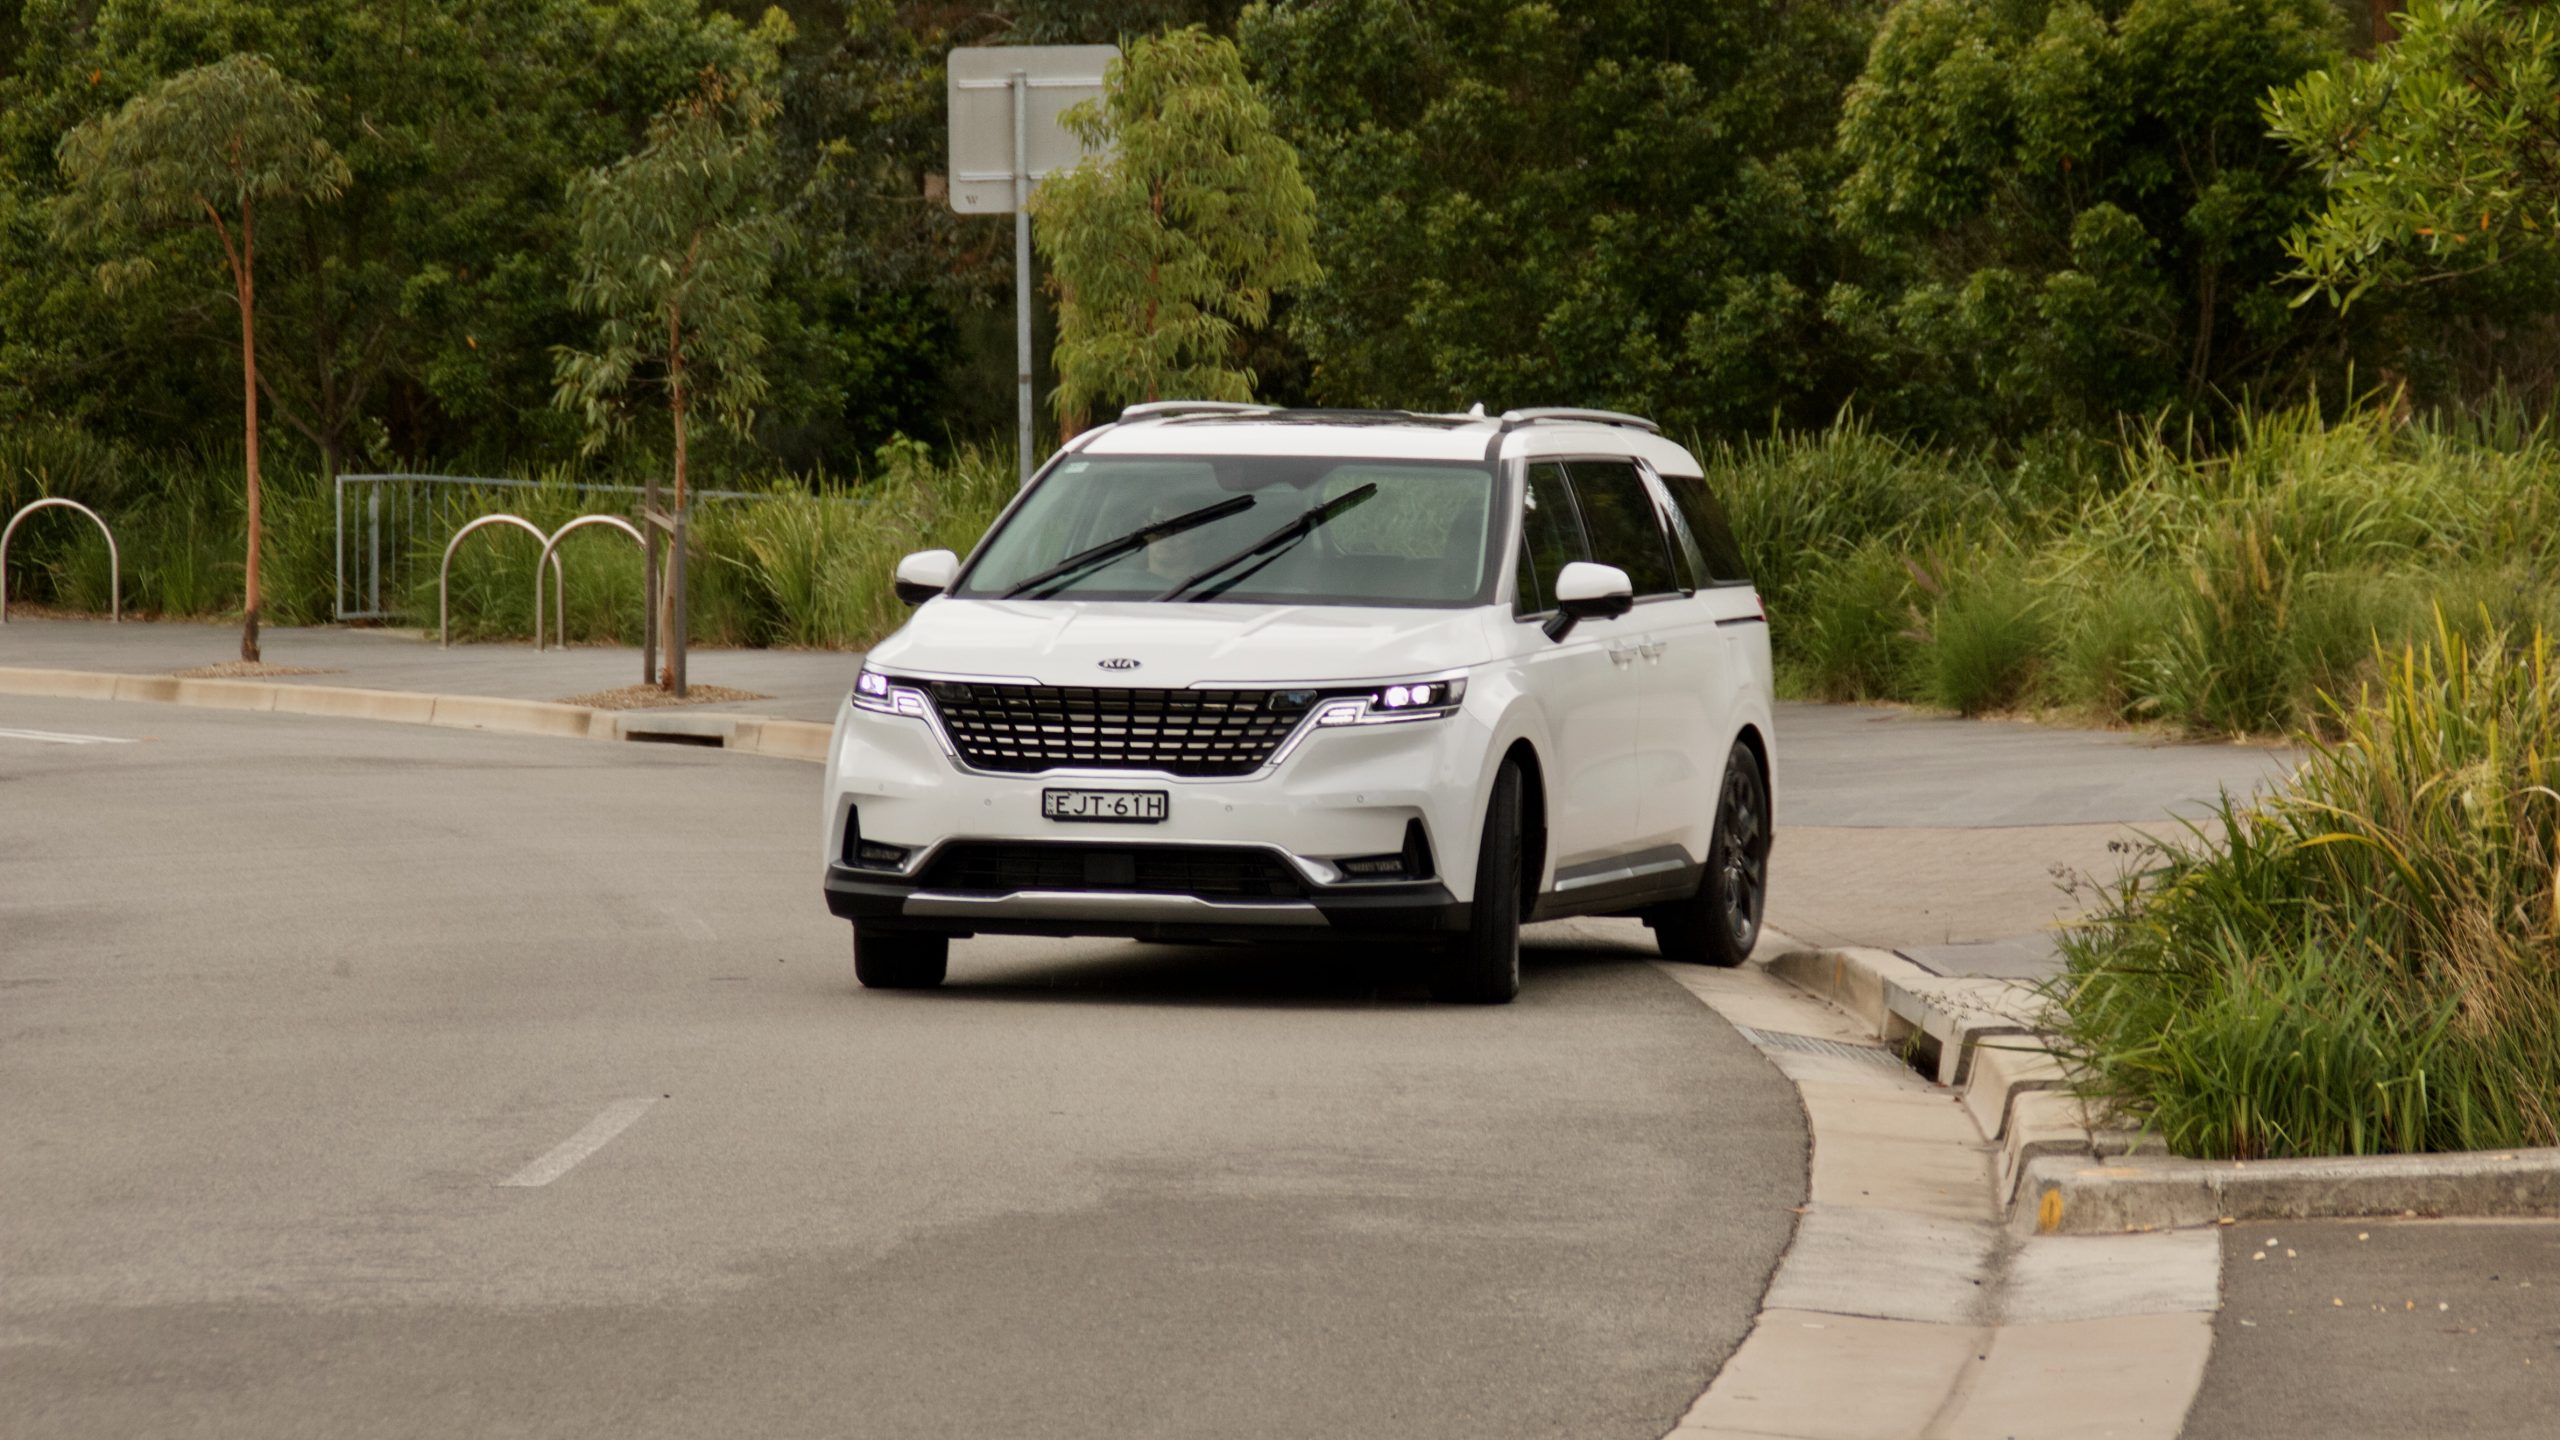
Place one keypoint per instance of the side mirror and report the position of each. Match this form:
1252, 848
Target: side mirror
1585, 591
925, 574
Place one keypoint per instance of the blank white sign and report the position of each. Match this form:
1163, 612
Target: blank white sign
981, 89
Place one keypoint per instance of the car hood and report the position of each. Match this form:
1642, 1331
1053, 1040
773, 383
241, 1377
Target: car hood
1055, 642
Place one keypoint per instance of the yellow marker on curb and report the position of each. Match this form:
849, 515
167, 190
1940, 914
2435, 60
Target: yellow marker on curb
2049, 1212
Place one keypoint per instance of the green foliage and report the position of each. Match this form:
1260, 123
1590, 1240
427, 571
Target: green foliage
2441, 152
2361, 962
1166, 245
1849, 632
2084, 200
675, 250
1986, 635
1610, 203
211, 144
2218, 592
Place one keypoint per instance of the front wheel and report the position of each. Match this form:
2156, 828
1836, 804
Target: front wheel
895, 961
1482, 966
1720, 924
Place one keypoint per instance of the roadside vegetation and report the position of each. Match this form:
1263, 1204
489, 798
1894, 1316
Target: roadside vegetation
2215, 590
2153, 580
806, 563
2369, 961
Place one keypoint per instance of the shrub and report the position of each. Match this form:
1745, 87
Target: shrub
1854, 627
1986, 642
2368, 959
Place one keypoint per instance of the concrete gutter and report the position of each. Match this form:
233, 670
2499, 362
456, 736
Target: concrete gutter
748, 734
1903, 1306
2059, 1171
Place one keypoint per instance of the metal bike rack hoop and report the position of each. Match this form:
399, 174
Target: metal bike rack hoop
115, 565
560, 601
444, 573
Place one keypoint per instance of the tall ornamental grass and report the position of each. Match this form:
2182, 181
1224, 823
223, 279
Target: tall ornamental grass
2368, 960
2151, 581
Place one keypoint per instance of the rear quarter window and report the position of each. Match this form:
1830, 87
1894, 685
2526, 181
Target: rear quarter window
1703, 514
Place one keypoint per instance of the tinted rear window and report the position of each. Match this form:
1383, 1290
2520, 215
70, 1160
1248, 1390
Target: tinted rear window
1704, 514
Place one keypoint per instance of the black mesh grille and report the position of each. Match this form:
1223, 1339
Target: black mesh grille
1209, 871
1029, 728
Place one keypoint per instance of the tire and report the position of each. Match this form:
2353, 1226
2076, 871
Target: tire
1719, 925
1482, 966
895, 961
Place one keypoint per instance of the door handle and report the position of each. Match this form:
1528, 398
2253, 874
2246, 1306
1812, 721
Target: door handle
1623, 655
1652, 649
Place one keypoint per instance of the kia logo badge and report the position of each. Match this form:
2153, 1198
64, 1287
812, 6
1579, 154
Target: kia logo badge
1119, 662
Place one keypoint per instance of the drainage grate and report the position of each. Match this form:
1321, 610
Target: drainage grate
1816, 1045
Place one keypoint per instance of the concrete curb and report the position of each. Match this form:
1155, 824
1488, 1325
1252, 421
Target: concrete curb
748, 734
2064, 1195
2060, 1171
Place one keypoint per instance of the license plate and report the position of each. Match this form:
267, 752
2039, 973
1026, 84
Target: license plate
1127, 807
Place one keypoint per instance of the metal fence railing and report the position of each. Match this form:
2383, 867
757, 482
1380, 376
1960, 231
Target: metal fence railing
381, 519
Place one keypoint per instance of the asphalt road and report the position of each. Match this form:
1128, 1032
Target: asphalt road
1963, 843
285, 1003
2385, 1327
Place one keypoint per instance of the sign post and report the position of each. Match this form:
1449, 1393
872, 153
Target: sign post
1005, 136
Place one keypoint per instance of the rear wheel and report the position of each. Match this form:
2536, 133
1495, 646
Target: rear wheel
1720, 924
1482, 966
895, 961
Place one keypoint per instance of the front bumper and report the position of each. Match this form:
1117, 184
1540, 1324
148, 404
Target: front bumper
1350, 792
886, 902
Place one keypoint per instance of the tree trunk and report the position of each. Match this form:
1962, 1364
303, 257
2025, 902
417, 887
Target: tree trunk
675, 407
245, 278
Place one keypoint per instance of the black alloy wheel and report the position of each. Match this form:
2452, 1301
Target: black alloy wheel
1482, 966
1719, 925
896, 961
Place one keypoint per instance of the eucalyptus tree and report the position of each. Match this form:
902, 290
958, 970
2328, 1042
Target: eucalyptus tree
210, 146
676, 248
1166, 244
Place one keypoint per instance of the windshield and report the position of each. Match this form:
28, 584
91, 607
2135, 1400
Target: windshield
1417, 538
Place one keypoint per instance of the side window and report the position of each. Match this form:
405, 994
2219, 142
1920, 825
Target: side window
1626, 528
1704, 516
1550, 536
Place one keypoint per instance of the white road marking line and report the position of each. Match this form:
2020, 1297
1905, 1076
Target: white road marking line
617, 1117
57, 737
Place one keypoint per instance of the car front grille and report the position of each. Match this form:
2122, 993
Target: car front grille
1024, 729
1212, 872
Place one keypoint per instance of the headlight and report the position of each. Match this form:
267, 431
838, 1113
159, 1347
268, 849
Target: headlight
1434, 699
878, 693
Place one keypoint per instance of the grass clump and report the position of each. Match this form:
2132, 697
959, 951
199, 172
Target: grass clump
2366, 961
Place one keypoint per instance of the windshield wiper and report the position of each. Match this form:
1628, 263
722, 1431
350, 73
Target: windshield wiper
1110, 550
1270, 546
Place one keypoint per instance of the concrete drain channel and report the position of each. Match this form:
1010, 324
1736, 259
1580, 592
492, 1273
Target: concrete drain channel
711, 731
1816, 1045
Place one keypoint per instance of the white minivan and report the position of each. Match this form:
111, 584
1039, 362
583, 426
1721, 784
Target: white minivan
1234, 672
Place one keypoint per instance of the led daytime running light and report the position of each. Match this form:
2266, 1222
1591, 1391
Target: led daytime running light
875, 692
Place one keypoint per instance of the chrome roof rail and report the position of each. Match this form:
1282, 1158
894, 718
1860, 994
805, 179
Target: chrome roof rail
1514, 418
1169, 409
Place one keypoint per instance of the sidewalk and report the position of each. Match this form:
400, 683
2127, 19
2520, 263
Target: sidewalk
801, 684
